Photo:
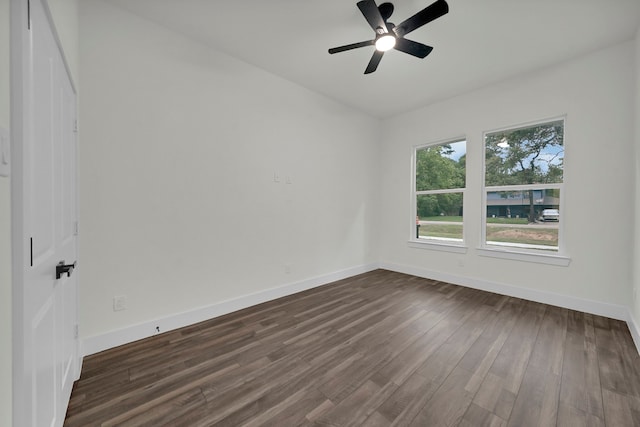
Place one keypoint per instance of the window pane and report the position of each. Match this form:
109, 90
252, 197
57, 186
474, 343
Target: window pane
440, 167
527, 218
531, 155
439, 216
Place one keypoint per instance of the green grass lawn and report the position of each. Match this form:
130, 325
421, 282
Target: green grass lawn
528, 236
450, 231
442, 218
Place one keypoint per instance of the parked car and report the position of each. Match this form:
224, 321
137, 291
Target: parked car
550, 215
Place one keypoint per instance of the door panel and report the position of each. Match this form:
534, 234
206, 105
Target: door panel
41, 152
66, 243
39, 278
50, 303
44, 380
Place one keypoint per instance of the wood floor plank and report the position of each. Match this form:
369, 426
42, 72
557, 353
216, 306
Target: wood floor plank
494, 397
481, 355
160, 413
537, 400
448, 404
437, 367
376, 420
571, 416
617, 411
377, 349
580, 385
593, 388
131, 403
343, 412
480, 417
440, 327
499, 390
407, 400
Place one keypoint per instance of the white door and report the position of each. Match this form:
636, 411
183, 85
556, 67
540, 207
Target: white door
50, 227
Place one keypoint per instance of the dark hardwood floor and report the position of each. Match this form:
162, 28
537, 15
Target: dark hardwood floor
378, 349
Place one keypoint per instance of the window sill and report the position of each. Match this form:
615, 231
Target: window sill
436, 245
550, 259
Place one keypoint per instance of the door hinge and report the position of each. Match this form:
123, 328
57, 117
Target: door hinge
31, 251
76, 332
75, 125
76, 228
28, 15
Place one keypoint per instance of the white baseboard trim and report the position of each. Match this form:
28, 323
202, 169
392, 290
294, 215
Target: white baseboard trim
633, 329
618, 312
115, 338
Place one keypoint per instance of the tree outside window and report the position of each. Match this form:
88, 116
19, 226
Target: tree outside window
439, 190
524, 170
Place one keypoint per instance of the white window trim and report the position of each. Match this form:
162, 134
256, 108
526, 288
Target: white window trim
445, 191
522, 253
434, 243
524, 187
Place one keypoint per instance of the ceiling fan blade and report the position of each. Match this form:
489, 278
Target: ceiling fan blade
372, 15
351, 46
416, 49
373, 63
426, 15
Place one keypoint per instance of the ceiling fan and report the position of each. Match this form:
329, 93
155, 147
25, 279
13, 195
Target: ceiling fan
390, 36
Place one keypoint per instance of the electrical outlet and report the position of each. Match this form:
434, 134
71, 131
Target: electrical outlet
119, 303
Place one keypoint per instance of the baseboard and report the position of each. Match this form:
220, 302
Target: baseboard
98, 343
115, 338
613, 311
633, 329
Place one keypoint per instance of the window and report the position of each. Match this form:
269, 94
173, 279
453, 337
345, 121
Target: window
438, 192
523, 187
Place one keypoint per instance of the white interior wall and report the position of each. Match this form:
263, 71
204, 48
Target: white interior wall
5, 230
593, 92
636, 257
65, 15
180, 143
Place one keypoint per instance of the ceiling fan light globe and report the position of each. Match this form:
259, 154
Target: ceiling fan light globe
385, 43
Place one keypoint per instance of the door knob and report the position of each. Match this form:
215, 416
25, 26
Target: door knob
63, 268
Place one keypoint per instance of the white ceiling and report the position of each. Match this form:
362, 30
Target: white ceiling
477, 43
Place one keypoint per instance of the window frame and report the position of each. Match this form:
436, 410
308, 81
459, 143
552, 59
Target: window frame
441, 244
524, 252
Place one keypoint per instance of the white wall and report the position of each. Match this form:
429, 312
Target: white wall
5, 231
636, 257
179, 208
65, 15
593, 92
